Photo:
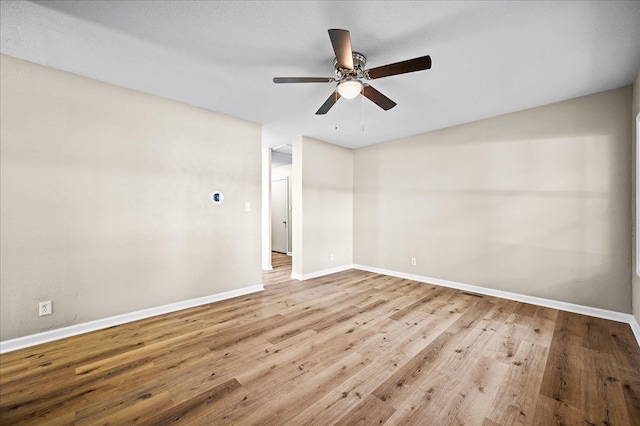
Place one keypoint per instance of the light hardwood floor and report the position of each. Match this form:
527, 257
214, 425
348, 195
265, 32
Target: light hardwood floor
349, 348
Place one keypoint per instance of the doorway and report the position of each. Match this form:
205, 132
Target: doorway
280, 215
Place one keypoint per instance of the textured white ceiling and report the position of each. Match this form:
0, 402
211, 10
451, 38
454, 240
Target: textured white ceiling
489, 58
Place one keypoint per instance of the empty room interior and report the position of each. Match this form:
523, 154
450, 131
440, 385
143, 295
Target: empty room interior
318, 212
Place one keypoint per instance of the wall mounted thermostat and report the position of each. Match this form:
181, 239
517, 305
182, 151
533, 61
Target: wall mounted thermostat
217, 197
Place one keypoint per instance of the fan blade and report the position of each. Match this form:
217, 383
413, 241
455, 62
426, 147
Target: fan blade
303, 79
341, 41
326, 106
411, 65
377, 98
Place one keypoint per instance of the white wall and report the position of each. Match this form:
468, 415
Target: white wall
281, 172
535, 202
322, 206
105, 200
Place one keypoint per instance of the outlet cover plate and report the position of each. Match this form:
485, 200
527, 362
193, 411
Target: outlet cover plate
45, 308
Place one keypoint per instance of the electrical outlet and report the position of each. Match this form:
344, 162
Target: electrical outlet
413, 261
45, 308
331, 256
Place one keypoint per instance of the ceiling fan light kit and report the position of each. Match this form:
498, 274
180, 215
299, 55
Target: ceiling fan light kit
349, 89
350, 73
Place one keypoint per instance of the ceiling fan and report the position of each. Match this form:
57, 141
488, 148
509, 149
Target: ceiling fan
350, 73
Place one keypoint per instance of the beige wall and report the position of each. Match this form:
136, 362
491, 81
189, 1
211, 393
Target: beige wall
105, 200
322, 206
266, 209
296, 204
635, 280
535, 202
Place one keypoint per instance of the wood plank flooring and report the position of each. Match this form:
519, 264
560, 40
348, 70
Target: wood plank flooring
353, 348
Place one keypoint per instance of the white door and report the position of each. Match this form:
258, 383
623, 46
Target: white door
279, 215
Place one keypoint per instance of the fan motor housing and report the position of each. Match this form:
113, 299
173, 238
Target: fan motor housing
359, 61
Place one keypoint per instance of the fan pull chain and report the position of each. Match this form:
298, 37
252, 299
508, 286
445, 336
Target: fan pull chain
362, 112
336, 93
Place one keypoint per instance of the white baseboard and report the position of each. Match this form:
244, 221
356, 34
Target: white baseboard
635, 327
74, 330
267, 268
548, 303
289, 253
302, 277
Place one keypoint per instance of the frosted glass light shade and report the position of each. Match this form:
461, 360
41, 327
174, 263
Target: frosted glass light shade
350, 89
